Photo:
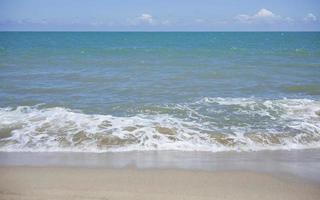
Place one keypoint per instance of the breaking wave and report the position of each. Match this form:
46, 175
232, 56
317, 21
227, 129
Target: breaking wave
210, 124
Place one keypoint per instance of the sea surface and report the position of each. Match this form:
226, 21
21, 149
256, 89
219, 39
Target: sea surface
186, 91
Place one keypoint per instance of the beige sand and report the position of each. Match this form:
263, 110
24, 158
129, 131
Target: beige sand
122, 184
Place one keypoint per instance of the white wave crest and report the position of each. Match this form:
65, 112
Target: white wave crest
212, 124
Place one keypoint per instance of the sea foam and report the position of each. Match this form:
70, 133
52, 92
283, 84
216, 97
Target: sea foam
209, 124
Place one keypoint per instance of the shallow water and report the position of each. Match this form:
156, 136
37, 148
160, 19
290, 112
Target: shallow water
98, 92
287, 164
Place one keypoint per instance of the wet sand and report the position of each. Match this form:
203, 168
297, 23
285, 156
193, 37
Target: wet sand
161, 175
304, 164
128, 183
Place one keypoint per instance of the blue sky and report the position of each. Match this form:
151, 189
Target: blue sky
160, 15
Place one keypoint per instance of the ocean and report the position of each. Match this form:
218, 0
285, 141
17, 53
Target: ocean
140, 91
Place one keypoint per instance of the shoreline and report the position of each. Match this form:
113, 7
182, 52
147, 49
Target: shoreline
303, 164
132, 183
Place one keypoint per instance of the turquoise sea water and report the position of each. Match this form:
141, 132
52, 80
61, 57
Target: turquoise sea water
72, 91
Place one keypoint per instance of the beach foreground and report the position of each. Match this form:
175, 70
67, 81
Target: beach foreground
98, 183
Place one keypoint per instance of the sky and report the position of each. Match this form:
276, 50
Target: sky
160, 15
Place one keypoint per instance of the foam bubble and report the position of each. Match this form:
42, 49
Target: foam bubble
210, 124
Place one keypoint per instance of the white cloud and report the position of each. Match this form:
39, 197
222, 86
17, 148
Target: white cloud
143, 19
146, 18
310, 18
262, 16
265, 13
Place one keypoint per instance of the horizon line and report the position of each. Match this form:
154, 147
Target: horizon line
168, 31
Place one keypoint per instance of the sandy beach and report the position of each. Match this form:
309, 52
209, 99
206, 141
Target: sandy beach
93, 183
